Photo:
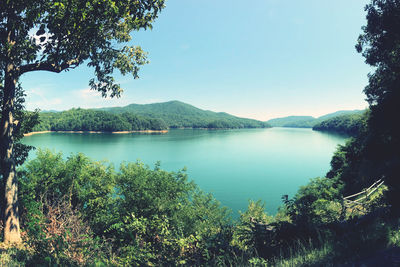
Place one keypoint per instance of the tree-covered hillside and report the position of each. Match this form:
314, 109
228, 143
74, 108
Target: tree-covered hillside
177, 114
291, 120
349, 124
96, 120
308, 121
159, 116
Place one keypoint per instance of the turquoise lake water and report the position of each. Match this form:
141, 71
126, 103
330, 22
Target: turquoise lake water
234, 165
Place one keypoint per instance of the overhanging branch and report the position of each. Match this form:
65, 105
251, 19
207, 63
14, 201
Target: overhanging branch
47, 66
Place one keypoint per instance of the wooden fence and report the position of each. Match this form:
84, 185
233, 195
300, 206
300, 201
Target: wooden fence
358, 201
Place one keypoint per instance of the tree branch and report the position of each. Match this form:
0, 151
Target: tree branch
42, 66
47, 66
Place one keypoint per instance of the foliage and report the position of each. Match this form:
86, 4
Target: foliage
13, 256
349, 165
57, 36
153, 217
300, 254
316, 204
350, 124
380, 45
53, 198
145, 216
143, 117
375, 152
290, 121
60, 237
250, 231
77, 212
308, 121
181, 115
95, 120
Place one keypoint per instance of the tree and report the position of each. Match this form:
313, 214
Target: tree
56, 36
380, 45
375, 152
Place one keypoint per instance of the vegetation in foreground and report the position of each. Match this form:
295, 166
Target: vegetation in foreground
79, 212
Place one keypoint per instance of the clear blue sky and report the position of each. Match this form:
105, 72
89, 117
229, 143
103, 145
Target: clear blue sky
259, 59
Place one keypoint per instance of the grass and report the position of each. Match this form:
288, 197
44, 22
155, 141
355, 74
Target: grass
300, 255
13, 255
360, 244
356, 246
308, 256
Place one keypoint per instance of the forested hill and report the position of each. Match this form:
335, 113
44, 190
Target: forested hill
159, 116
308, 121
304, 121
177, 114
96, 120
349, 124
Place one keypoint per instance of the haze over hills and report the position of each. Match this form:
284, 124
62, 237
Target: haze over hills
308, 121
177, 114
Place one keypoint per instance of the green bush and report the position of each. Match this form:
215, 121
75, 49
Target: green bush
316, 204
145, 216
250, 231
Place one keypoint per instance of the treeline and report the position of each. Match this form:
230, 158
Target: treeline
227, 123
350, 124
308, 121
95, 120
104, 121
301, 124
177, 114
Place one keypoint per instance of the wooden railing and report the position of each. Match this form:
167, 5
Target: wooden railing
357, 202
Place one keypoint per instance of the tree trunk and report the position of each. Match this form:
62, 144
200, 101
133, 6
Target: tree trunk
10, 182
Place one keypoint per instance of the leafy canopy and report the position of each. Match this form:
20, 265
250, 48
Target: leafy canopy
144, 215
60, 35
380, 44
376, 151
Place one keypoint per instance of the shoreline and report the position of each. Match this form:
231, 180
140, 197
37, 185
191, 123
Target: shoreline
98, 132
32, 133
141, 131
211, 129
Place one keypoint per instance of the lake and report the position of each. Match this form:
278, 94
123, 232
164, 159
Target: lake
234, 165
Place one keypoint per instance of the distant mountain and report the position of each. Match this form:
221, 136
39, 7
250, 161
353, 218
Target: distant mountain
308, 121
340, 113
177, 114
291, 120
